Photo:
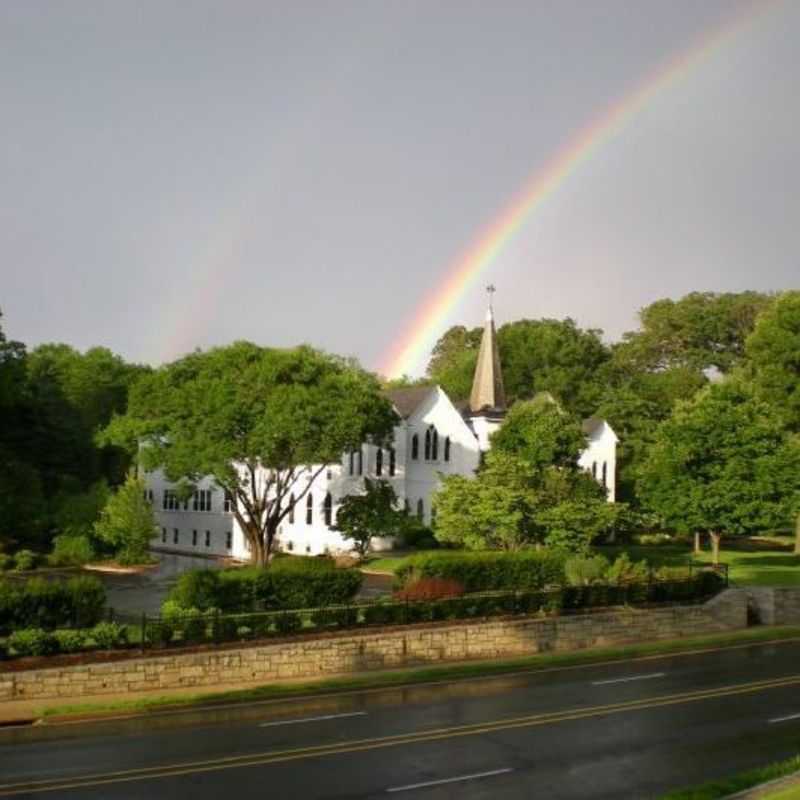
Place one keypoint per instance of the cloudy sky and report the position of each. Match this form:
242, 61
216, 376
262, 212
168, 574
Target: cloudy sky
182, 174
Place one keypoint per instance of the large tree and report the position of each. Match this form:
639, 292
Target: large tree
127, 523
262, 422
723, 464
372, 513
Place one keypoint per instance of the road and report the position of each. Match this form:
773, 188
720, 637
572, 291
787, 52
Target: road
633, 729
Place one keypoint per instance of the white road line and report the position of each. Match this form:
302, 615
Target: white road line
472, 777
311, 719
634, 678
784, 719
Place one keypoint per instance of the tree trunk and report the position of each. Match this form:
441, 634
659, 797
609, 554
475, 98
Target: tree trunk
715, 539
697, 545
797, 535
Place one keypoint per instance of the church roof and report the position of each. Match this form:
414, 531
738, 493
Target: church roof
591, 425
407, 400
487, 386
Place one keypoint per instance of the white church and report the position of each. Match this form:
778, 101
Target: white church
432, 438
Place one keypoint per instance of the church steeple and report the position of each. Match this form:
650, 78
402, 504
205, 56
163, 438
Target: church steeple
487, 386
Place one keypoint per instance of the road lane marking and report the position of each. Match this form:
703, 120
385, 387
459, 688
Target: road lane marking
311, 719
632, 678
784, 719
457, 779
361, 745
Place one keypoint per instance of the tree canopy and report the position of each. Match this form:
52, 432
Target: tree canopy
262, 422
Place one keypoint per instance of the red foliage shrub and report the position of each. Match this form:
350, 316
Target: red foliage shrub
430, 589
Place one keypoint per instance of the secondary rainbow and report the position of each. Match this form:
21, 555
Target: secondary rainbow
429, 321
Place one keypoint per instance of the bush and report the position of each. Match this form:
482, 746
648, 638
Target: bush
383, 614
480, 572
625, 571
653, 539
33, 642
71, 640
430, 589
417, 536
286, 584
24, 560
87, 599
288, 623
6, 562
109, 635
159, 633
342, 617
583, 570
71, 550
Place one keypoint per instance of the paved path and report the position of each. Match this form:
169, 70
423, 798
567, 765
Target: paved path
627, 730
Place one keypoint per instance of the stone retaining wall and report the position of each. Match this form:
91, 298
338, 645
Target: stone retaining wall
348, 652
774, 606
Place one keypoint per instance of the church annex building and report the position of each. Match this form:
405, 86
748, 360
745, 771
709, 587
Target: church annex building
431, 438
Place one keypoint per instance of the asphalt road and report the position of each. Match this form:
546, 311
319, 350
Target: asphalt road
634, 729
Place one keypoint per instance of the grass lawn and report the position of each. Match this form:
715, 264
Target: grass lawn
767, 561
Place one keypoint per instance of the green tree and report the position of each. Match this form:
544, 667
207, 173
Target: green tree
373, 513
723, 464
774, 352
127, 523
263, 422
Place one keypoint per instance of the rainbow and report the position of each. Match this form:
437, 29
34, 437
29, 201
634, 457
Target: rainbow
427, 323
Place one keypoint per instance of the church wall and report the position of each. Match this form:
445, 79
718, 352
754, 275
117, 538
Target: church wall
602, 449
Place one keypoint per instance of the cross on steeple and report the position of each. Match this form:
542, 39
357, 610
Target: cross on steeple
490, 290
487, 385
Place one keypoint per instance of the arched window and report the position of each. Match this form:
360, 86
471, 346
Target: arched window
406, 508
605, 473
415, 447
352, 454
291, 510
420, 510
447, 448
594, 470
328, 509
428, 444
435, 448
392, 462
360, 458
379, 462
309, 509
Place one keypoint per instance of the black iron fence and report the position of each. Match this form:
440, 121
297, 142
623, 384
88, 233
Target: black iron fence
193, 628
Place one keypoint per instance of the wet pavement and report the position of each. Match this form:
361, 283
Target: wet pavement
625, 730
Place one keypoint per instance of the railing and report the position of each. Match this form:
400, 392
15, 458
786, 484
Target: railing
216, 627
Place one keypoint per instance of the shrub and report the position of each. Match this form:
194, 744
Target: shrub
342, 617
71, 640
197, 588
383, 614
479, 572
24, 560
653, 539
108, 635
624, 571
87, 599
430, 589
71, 550
33, 642
583, 570
415, 535
288, 623
6, 562
159, 633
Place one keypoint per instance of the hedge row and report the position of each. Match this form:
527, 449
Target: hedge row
40, 642
481, 572
286, 583
38, 603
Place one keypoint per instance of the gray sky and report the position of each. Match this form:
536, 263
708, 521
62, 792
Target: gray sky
182, 174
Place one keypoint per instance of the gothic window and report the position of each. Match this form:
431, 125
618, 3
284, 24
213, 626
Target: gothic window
435, 448
291, 509
360, 457
428, 444
194, 538
415, 447
229, 503
164, 535
420, 510
309, 509
594, 470
228, 540
392, 462
208, 538
328, 509
605, 473
379, 462
175, 535
447, 448
352, 456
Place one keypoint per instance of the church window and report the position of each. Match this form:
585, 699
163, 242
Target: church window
208, 538
164, 535
291, 510
420, 510
406, 506
415, 446
328, 509
229, 503
435, 447
605, 473
309, 509
447, 448
360, 456
175, 535
428, 444
228, 540
379, 462
194, 538
201, 500
352, 456
392, 462
594, 470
